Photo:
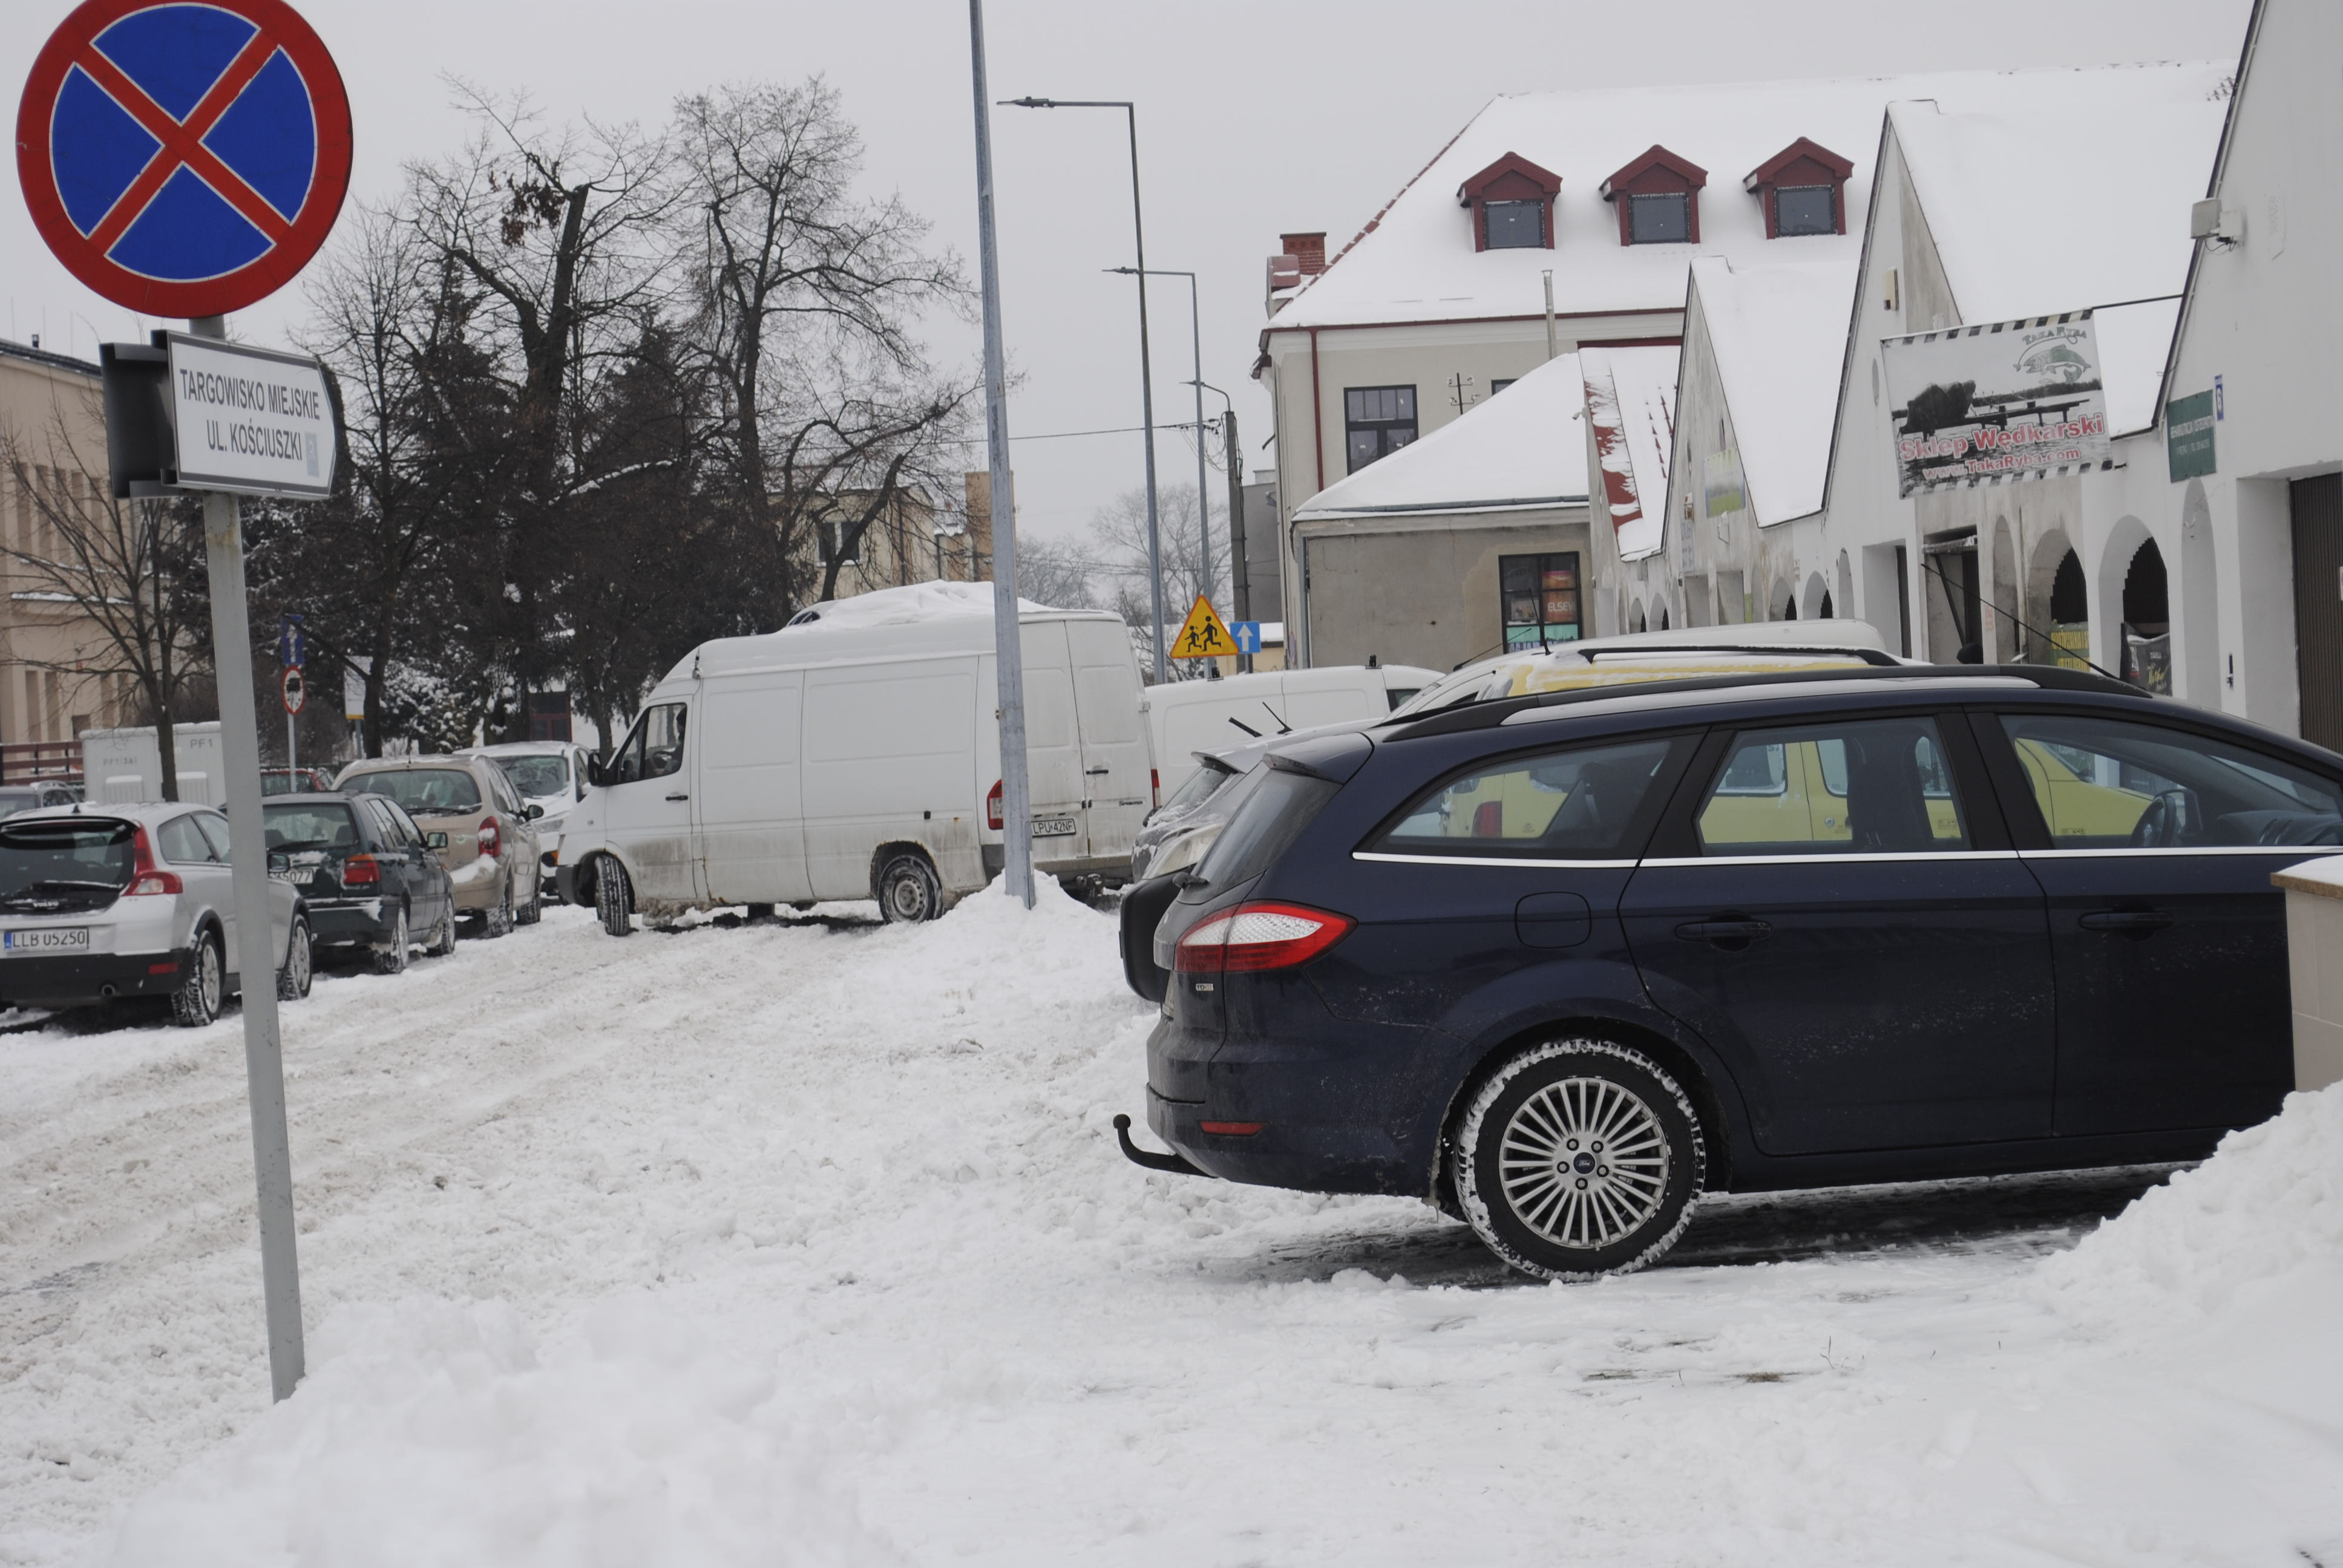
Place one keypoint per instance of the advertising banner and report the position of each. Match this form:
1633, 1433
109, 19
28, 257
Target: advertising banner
1998, 402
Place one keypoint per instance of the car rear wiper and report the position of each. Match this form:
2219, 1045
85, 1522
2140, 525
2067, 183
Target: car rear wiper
101, 886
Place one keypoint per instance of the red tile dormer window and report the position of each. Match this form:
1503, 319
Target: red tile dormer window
1658, 197
1802, 190
1511, 203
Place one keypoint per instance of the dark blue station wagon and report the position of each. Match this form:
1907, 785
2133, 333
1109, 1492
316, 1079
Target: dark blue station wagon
1559, 964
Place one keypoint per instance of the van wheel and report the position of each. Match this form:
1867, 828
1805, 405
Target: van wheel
908, 889
1580, 1158
293, 979
197, 1002
390, 958
614, 900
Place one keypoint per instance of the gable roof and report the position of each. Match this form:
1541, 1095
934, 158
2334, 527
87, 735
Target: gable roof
1415, 261
1514, 450
1511, 164
1777, 333
1654, 157
1803, 147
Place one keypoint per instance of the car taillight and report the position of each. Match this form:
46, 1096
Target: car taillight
1255, 936
361, 871
1155, 786
487, 839
147, 878
993, 805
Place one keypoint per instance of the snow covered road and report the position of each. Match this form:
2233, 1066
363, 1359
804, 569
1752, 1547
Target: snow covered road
807, 1242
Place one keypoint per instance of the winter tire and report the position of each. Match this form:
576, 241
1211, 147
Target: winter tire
530, 913
390, 958
613, 899
293, 979
197, 1001
443, 935
498, 920
1580, 1158
908, 889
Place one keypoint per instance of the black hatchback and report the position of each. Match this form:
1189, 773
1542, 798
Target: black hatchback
1560, 964
365, 872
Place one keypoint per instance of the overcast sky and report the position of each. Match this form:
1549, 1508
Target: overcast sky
1254, 118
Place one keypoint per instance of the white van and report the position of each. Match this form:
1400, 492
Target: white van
1191, 716
856, 754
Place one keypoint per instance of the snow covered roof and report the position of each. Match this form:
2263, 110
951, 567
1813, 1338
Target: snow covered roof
1514, 450
1778, 332
1415, 260
1631, 410
2073, 193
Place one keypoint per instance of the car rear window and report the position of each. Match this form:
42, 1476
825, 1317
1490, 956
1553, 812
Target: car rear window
327, 825
424, 791
1201, 786
1585, 802
1278, 806
67, 851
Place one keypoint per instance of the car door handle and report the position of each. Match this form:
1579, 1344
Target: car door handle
680, 795
1724, 930
2132, 922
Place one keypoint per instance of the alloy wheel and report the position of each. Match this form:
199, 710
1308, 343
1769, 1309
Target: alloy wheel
1584, 1162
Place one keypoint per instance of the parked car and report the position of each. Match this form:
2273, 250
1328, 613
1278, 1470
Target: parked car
16, 798
1559, 963
365, 874
550, 775
473, 821
124, 901
295, 780
1184, 717
857, 756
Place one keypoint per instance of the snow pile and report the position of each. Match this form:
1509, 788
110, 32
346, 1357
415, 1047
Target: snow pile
2262, 1219
430, 1433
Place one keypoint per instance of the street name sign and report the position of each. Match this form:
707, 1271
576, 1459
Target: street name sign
1203, 635
249, 420
183, 159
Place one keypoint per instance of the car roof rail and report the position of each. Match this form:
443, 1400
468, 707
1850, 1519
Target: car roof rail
1489, 714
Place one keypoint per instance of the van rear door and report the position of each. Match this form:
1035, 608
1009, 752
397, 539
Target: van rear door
1052, 746
1115, 751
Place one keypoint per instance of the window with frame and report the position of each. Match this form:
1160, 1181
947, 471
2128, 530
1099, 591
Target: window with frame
1539, 598
183, 843
1513, 224
1878, 786
2106, 783
1590, 802
1662, 218
1377, 421
654, 748
1499, 383
1804, 209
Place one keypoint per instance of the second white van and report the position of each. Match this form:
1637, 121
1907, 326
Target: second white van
1191, 716
856, 754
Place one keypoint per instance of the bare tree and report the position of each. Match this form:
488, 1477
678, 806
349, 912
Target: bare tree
806, 295
1119, 530
132, 570
1061, 573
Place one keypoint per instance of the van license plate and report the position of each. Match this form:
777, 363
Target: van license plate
48, 939
1052, 827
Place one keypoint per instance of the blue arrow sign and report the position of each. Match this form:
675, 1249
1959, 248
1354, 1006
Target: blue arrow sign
1248, 635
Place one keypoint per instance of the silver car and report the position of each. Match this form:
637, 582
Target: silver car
104, 902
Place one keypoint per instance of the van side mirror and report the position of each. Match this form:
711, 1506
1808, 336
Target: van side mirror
530, 813
593, 774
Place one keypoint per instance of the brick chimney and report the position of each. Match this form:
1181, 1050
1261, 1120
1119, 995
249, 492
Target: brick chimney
1309, 249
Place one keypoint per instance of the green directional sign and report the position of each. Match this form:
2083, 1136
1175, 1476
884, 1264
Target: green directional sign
2188, 436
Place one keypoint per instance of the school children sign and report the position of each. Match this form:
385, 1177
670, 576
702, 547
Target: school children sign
1998, 402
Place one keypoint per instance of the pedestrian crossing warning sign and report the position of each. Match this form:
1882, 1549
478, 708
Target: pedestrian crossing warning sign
1204, 635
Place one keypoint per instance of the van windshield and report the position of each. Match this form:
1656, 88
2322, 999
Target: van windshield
424, 791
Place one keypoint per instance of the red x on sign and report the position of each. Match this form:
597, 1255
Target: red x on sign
183, 159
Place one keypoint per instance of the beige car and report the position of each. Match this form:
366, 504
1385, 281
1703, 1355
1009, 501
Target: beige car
474, 822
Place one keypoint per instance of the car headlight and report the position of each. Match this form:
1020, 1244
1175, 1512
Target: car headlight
1188, 850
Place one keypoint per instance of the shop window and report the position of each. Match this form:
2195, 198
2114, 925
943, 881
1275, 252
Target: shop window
1378, 421
1806, 209
1540, 598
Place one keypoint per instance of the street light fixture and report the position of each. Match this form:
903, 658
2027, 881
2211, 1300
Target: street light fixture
1196, 327
1146, 382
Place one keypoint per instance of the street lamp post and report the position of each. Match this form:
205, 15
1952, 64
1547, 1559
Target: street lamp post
1146, 374
1196, 330
1008, 626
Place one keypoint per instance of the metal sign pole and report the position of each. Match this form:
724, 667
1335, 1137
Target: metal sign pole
264, 1056
1008, 629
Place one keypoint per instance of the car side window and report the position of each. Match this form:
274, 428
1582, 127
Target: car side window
403, 828
374, 809
1588, 802
214, 827
2112, 783
654, 749
183, 843
1873, 785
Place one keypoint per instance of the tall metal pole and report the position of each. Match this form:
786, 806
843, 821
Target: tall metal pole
1240, 574
1007, 643
1147, 406
1203, 503
256, 956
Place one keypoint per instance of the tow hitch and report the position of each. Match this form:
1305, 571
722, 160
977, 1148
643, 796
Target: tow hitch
1138, 1156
